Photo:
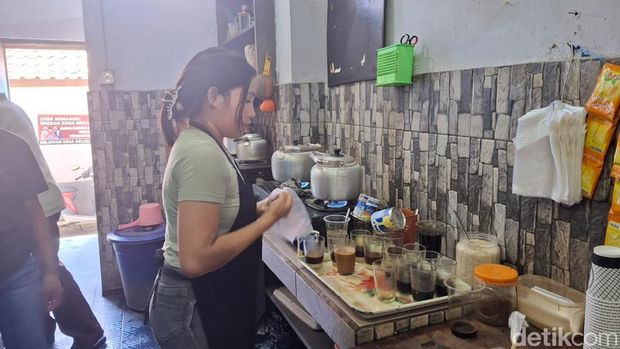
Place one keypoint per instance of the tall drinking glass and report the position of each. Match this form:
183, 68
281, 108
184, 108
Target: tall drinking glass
373, 250
385, 279
430, 234
423, 279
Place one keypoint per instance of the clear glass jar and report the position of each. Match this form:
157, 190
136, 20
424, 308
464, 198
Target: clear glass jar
497, 293
479, 249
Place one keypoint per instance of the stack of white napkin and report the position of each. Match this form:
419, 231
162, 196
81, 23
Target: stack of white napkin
548, 153
294, 225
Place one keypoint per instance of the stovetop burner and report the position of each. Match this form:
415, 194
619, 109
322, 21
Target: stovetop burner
327, 206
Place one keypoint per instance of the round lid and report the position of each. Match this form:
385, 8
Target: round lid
335, 160
496, 274
301, 148
251, 136
138, 234
606, 256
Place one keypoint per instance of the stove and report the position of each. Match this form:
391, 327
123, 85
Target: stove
317, 209
327, 206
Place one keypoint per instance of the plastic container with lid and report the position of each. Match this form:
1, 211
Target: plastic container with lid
498, 293
478, 249
548, 304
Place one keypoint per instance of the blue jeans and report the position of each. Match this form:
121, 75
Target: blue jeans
173, 315
22, 307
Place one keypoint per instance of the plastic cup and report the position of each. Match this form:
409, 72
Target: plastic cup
385, 279
423, 277
345, 256
430, 234
332, 238
373, 250
461, 298
336, 223
446, 268
358, 236
314, 250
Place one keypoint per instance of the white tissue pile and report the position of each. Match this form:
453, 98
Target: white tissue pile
548, 153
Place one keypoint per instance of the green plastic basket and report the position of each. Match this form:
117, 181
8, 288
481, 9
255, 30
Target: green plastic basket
395, 65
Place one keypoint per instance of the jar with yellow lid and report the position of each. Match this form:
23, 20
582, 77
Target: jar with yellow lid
498, 293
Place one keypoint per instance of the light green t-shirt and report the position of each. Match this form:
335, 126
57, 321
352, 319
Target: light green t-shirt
197, 170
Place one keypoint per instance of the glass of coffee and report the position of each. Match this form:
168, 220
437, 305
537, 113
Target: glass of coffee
446, 268
373, 250
413, 252
423, 277
344, 249
334, 236
430, 234
358, 236
314, 249
384, 271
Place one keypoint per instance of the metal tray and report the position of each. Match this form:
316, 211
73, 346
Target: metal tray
358, 291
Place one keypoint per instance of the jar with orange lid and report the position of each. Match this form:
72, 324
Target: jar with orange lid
498, 293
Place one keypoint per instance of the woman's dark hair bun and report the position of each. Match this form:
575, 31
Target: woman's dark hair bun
214, 67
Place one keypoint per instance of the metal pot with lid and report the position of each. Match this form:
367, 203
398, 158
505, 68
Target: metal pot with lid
293, 161
335, 176
252, 147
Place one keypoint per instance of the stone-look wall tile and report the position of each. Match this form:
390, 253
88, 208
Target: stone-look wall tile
365, 335
551, 83
384, 330
560, 246
436, 317
402, 325
129, 159
578, 264
419, 321
450, 134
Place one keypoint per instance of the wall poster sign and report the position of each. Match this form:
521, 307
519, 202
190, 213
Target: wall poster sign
63, 129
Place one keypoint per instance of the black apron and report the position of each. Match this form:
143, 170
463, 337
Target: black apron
226, 297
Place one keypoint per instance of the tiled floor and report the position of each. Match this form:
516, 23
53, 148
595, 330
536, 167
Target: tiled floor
123, 327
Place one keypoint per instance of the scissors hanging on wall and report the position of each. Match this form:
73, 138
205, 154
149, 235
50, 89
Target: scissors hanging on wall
409, 39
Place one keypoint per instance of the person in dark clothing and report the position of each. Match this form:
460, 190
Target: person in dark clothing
26, 290
74, 317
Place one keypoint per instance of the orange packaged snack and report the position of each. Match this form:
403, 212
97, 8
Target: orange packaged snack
612, 235
590, 171
605, 98
599, 133
615, 168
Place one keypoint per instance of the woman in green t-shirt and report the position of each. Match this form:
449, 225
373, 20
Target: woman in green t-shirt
206, 290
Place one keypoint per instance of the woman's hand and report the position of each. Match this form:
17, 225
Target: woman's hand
261, 206
279, 207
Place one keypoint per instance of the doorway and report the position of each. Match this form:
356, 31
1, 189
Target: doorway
50, 82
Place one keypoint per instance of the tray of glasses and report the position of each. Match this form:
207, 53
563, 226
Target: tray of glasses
358, 290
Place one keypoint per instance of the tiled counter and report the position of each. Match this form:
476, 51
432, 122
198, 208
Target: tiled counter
343, 325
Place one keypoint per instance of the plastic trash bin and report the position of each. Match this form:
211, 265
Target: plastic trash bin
135, 251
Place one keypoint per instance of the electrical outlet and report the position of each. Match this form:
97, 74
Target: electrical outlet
107, 77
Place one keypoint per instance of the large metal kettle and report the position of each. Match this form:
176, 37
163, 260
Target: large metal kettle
336, 176
293, 161
252, 147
